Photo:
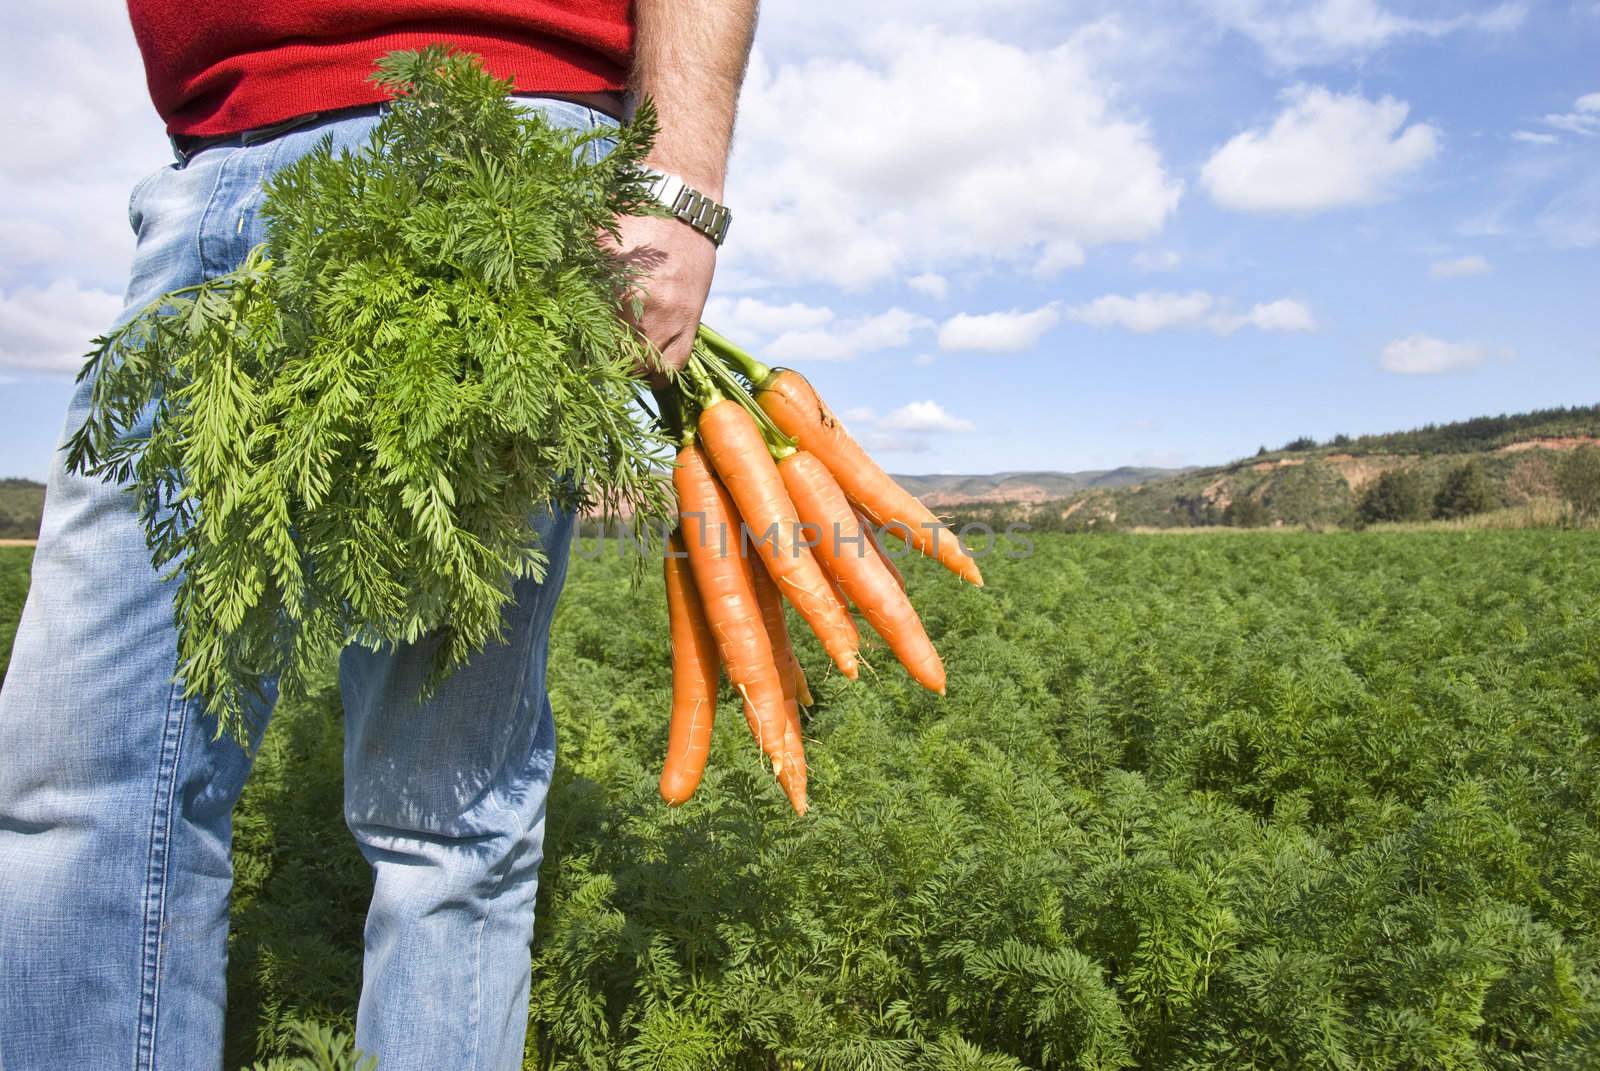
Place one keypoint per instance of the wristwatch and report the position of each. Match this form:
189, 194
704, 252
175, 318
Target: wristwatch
690, 206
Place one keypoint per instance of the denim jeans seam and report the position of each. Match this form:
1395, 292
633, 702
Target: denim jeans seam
207, 271
538, 635
539, 627
528, 725
156, 874
133, 201
506, 870
272, 167
477, 987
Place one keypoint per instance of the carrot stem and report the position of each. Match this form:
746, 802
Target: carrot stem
716, 372
756, 372
702, 390
669, 401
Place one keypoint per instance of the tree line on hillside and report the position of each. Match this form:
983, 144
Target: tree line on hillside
1462, 436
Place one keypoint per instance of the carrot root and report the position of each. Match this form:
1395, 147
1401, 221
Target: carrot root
732, 612
741, 458
796, 409
845, 552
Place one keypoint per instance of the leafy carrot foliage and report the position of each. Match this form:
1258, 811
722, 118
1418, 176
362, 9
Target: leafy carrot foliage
1231, 801
346, 438
1234, 801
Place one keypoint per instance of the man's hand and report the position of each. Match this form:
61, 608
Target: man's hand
679, 261
689, 58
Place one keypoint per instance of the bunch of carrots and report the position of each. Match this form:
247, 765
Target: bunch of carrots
778, 504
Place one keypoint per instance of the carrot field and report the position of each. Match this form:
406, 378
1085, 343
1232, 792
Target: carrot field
1242, 801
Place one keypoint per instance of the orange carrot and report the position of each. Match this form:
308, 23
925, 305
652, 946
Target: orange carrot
838, 592
794, 764
802, 690
695, 669
710, 536
740, 457
844, 553
794, 407
877, 546
835, 592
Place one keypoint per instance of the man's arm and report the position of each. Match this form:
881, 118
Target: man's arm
689, 58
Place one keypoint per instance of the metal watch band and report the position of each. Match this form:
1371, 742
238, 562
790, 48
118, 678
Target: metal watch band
691, 206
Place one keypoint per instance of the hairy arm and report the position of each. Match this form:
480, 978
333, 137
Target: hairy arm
689, 57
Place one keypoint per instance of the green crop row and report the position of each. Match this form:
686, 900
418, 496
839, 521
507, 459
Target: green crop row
1301, 801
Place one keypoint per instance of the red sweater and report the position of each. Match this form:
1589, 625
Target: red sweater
217, 68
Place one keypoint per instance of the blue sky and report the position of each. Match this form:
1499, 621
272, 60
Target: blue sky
1033, 234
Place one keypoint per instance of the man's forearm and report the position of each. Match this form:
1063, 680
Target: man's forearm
689, 58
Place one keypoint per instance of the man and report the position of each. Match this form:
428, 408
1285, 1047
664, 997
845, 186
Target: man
115, 798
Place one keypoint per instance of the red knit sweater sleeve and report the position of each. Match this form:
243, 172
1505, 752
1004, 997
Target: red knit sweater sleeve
217, 68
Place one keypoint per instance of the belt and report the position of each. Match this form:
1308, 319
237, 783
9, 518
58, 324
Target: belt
186, 146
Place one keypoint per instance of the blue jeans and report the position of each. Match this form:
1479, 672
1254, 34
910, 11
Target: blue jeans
116, 799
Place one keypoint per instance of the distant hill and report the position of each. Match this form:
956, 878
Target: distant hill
955, 490
1319, 483
21, 503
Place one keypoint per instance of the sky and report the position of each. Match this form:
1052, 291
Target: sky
1027, 234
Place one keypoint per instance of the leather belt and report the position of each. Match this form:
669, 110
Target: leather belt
185, 146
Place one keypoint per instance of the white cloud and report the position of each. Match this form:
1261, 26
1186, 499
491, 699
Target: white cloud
906, 429
843, 340
997, 332
749, 318
1419, 355
48, 329
1295, 33
931, 283
1574, 123
829, 188
1534, 138
926, 416
733, 279
79, 133
1148, 312
1460, 266
797, 331
1156, 260
835, 25
1285, 314
1324, 150
1584, 119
